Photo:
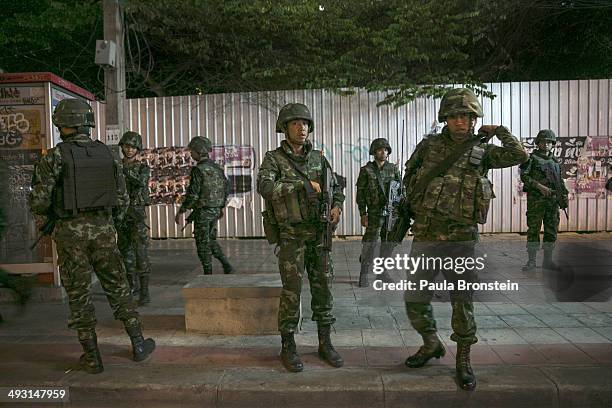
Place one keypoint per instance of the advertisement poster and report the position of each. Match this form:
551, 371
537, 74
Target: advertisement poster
170, 168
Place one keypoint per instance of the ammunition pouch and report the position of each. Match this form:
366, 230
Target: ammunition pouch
270, 224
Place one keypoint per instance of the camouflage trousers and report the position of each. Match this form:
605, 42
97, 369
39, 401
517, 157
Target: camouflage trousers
442, 239
205, 233
375, 230
133, 243
542, 211
299, 250
78, 258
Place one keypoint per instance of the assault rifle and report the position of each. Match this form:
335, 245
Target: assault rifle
391, 210
326, 202
560, 192
46, 229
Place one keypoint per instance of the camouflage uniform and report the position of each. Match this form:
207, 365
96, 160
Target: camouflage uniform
372, 196
206, 196
300, 228
541, 209
447, 212
133, 232
86, 240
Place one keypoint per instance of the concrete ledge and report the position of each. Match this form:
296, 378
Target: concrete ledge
232, 304
151, 385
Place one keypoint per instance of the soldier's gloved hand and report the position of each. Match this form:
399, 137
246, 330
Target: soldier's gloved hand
335, 215
488, 129
177, 218
364, 221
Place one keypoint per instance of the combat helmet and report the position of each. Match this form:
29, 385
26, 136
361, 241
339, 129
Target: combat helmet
131, 139
293, 111
200, 144
546, 134
73, 113
459, 100
378, 144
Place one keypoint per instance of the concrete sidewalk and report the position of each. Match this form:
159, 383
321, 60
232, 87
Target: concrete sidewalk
533, 349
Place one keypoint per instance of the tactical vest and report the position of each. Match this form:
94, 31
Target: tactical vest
296, 207
213, 190
88, 180
462, 194
139, 195
378, 185
537, 171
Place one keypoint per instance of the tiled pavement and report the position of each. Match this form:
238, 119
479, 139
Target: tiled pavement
528, 329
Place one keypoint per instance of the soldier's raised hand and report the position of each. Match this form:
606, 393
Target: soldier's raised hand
488, 129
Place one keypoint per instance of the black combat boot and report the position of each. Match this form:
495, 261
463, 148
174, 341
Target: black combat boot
141, 348
90, 361
326, 348
531, 261
363, 275
289, 355
432, 347
144, 297
465, 375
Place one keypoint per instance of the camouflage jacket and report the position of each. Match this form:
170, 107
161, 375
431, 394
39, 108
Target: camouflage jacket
137, 176
463, 193
199, 192
373, 186
281, 185
534, 171
47, 175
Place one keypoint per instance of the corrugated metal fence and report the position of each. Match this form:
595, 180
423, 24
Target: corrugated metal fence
345, 126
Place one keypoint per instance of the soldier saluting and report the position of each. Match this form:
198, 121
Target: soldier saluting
449, 194
546, 194
294, 181
374, 185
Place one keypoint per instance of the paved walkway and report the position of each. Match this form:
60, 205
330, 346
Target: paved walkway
533, 347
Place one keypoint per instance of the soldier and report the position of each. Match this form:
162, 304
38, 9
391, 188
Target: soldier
80, 187
546, 193
290, 180
206, 196
449, 194
373, 186
133, 234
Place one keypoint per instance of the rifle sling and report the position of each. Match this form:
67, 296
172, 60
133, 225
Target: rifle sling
307, 184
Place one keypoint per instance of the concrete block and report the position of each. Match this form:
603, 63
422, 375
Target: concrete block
232, 304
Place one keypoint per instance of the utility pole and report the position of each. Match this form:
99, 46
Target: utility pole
114, 77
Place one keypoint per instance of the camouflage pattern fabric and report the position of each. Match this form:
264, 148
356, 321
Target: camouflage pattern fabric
463, 193
300, 232
372, 189
86, 243
446, 220
133, 234
540, 209
205, 234
205, 218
